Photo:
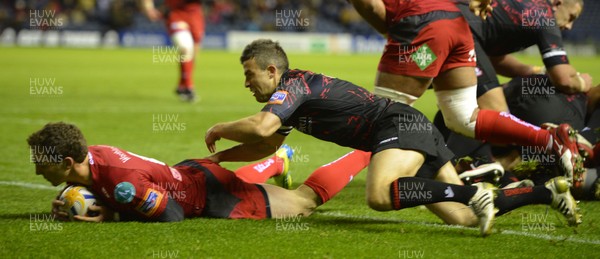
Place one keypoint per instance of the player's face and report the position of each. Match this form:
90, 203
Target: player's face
567, 14
261, 82
53, 173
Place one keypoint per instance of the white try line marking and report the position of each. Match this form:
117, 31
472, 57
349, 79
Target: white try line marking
501, 232
30, 185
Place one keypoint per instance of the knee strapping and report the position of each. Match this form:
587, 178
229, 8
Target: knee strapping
457, 106
184, 41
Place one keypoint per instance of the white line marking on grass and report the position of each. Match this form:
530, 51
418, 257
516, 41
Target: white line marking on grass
501, 232
30, 185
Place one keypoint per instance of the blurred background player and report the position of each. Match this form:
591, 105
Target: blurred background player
185, 25
145, 189
429, 42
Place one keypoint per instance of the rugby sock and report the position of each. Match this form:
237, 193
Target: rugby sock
510, 199
331, 178
409, 192
507, 178
260, 172
186, 69
504, 128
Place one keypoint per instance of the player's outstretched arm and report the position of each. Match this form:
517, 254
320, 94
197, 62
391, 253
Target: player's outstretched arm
373, 11
247, 130
509, 66
250, 151
150, 11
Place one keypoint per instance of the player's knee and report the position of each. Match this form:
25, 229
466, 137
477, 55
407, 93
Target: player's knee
458, 107
460, 125
379, 201
184, 41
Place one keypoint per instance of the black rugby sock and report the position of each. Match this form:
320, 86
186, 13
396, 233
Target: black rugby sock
507, 178
409, 192
510, 199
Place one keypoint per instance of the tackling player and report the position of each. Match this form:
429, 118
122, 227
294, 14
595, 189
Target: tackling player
185, 25
429, 41
145, 189
404, 144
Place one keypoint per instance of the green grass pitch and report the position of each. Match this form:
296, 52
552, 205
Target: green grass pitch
114, 96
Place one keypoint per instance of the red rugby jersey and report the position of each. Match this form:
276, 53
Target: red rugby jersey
139, 186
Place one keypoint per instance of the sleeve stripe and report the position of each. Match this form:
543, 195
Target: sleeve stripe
554, 53
285, 130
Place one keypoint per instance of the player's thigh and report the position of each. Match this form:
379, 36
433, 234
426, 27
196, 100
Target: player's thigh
455, 78
493, 100
412, 85
387, 166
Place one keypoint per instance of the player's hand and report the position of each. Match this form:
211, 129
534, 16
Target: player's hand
588, 82
481, 8
104, 214
211, 137
57, 213
153, 14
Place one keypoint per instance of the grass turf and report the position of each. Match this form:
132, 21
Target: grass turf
115, 97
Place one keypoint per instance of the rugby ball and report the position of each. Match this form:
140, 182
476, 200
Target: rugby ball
77, 199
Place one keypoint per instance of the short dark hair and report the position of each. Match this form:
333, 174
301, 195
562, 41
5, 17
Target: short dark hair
62, 139
265, 52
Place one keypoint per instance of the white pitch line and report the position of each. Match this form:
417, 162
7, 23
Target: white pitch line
502, 232
30, 185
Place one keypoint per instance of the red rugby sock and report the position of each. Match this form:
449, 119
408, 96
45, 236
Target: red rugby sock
504, 128
260, 172
331, 178
186, 71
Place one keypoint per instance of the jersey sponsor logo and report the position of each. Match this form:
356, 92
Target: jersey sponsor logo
124, 192
423, 57
150, 202
175, 174
278, 97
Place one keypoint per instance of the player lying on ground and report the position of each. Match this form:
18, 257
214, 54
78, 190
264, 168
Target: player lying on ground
145, 189
403, 141
429, 43
547, 105
510, 27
